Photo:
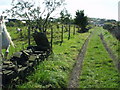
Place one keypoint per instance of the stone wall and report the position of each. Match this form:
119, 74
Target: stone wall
114, 29
20, 65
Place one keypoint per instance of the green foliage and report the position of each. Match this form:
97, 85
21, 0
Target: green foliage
19, 23
10, 24
107, 26
81, 19
113, 28
98, 70
65, 17
112, 42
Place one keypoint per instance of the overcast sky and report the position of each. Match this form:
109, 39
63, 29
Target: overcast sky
93, 8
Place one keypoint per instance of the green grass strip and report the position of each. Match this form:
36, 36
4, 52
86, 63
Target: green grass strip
98, 69
55, 71
112, 42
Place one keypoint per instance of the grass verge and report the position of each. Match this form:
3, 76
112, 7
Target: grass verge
112, 42
54, 72
98, 69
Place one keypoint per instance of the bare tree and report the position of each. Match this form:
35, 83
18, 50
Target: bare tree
37, 15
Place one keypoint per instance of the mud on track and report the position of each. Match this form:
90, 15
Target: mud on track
75, 75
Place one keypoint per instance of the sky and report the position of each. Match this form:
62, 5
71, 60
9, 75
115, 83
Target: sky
107, 9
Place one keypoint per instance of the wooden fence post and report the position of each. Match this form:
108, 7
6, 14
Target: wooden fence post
51, 41
62, 34
78, 28
29, 36
69, 32
0, 45
74, 30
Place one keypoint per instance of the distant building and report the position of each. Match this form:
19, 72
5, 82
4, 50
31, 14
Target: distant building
97, 21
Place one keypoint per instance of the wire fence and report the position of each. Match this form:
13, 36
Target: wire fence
55, 34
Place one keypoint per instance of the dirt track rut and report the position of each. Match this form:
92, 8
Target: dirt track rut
113, 57
74, 78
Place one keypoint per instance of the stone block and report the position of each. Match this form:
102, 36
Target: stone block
7, 62
32, 58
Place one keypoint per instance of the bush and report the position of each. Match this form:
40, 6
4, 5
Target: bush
114, 29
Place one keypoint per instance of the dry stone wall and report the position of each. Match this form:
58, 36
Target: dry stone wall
20, 65
114, 29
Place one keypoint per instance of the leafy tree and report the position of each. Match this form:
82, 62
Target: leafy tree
36, 15
81, 20
65, 16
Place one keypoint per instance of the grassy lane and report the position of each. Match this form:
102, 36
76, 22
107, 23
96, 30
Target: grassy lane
54, 72
112, 42
98, 69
